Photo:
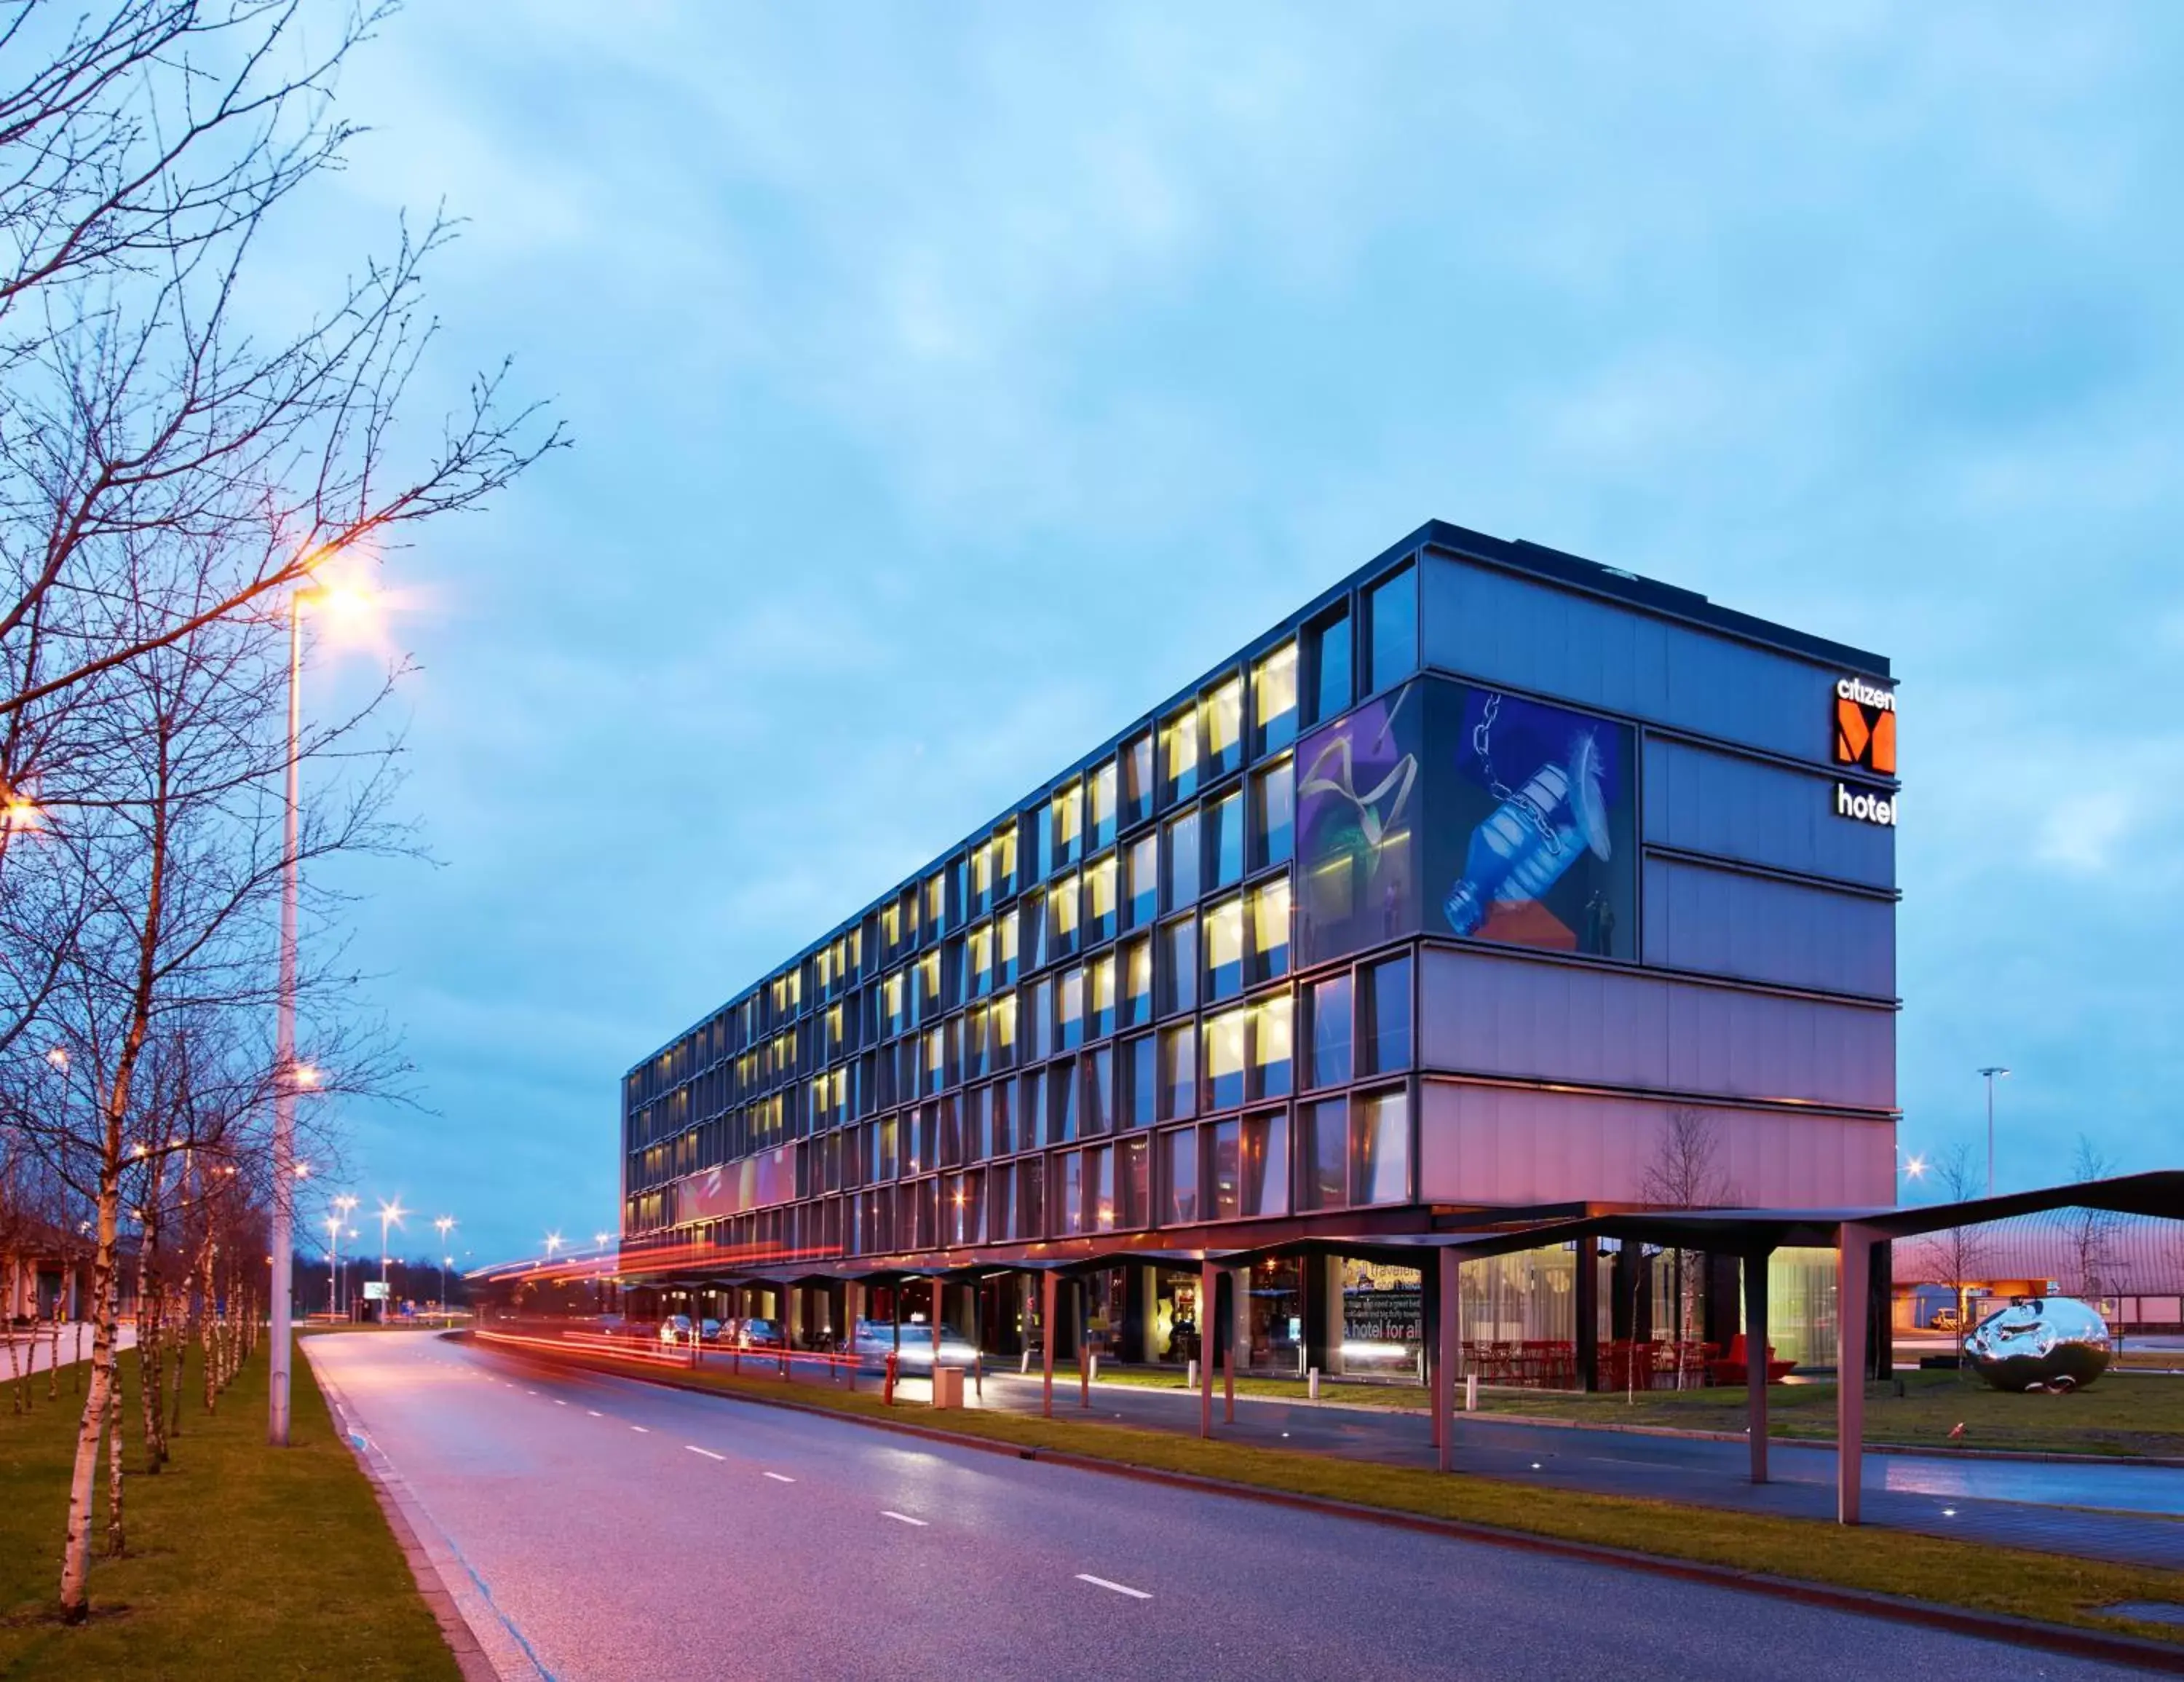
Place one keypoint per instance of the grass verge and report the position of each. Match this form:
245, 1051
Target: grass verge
2009, 1582
243, 1560
2128, 1415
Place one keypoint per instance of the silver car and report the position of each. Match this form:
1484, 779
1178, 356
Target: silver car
873, 1341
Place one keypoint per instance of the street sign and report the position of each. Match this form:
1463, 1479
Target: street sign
375, 1291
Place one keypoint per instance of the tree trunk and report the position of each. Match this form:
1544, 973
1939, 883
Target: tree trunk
76, 1551
18, 1395
53, 1355
149, 1305
116, 1534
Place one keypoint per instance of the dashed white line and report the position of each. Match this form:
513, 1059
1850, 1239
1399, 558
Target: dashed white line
777, 1477
901, 1518
558, 1402
595, 1413
638, 1428
707, 1452
1119, 1588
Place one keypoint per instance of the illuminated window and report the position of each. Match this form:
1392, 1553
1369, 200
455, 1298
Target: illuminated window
1179, 754
981, 961
1137, 763
1068, 824
1004, 1026
1062, 917
1224, 727
1224, 1059
925, 1001
1069, 1192
1137, 981
1269, 955
1100, 804
1099, 997
1100, 1189
1380, 1148
1178, 1072
1225, 1185
1005, 859
1100, 899
1271, 1040
1069, 1001
981, 873
936, 901
1223, 947
1005, 948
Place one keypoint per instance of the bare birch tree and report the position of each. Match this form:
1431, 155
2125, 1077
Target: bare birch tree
1687, 1172
1957, 1257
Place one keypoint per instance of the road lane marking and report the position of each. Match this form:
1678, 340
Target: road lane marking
558, 1402
637, 1428
777, 1477
1119, 1588
707, 1452
595, 1413
901, 1518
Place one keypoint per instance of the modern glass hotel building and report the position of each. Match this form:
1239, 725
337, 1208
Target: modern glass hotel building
1491, 883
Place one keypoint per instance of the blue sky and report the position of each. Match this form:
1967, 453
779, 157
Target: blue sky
914, 355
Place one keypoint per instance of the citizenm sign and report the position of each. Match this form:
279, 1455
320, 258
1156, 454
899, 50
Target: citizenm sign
1865, 739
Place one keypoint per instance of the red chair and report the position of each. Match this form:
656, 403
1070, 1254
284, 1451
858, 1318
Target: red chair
1735, 1368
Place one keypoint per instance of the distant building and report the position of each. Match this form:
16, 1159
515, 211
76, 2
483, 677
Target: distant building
2132, 1267
1434, 903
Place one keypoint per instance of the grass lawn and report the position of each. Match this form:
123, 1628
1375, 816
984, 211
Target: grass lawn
243, 1560
2131, 1414
2045, 1586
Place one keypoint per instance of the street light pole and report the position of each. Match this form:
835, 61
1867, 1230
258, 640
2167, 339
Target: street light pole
333, 1267
1991, 1072
284, 1044
444, 1223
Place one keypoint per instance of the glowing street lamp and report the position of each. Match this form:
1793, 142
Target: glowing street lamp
390, 1214
291, 1076
443, 1222
1990, 1072
553, 1244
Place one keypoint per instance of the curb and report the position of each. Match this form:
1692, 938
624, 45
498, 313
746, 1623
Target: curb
472, 1659
2113, 1649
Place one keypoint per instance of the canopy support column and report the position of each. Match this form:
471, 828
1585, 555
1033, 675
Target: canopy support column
1209, 1278
1755, 1358
1046, 1344
1443, 1363
1854, 1270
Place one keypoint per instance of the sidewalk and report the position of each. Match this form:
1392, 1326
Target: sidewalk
37, 1355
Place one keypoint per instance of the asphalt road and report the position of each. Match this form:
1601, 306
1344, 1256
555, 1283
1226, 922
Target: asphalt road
599, 1527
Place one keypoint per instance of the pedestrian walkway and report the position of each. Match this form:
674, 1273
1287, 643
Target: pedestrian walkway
34, 1350
2036, 1505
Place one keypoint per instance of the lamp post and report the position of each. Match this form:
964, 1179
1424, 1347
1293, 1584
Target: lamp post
390, 1214
1991, 1072
342, 1205
333, 1265
444, 1223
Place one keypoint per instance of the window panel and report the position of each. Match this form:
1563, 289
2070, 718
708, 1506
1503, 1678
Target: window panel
1068, 826
1224, 727
1178, 1177
1224, 1168
1183, 862
1099, 911
1141, 879
1099, 1115
1001, 1206
1099, 1190
1005, 948
1178, 1072
1225, 950
1061, 911
1070, 1010
1003, 1026
1381, 1149
1224, 840
1330, 1031
1178, 743
1391, 618
1329, 641
1179, 966
1061, 1097
1038, 1027
1004, 861
1273, 815
1137, 981
1140, 1082
1385, 1032
1264, 1169
1224, 1059
1099, 997
1269, 951
1002, 1095
1069, 1192
1274, 699
1271, 1047
1323, 1154
1031, 1198
1137, 764
1133, 1182
1100, 805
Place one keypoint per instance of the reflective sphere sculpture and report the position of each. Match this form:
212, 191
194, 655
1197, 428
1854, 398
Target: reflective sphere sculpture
2054, 1343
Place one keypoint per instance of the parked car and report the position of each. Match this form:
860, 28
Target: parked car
675, 1328
873, 1341
1944, 1320
754, 1334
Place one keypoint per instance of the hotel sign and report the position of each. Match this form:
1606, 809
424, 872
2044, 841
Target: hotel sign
1865, 740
